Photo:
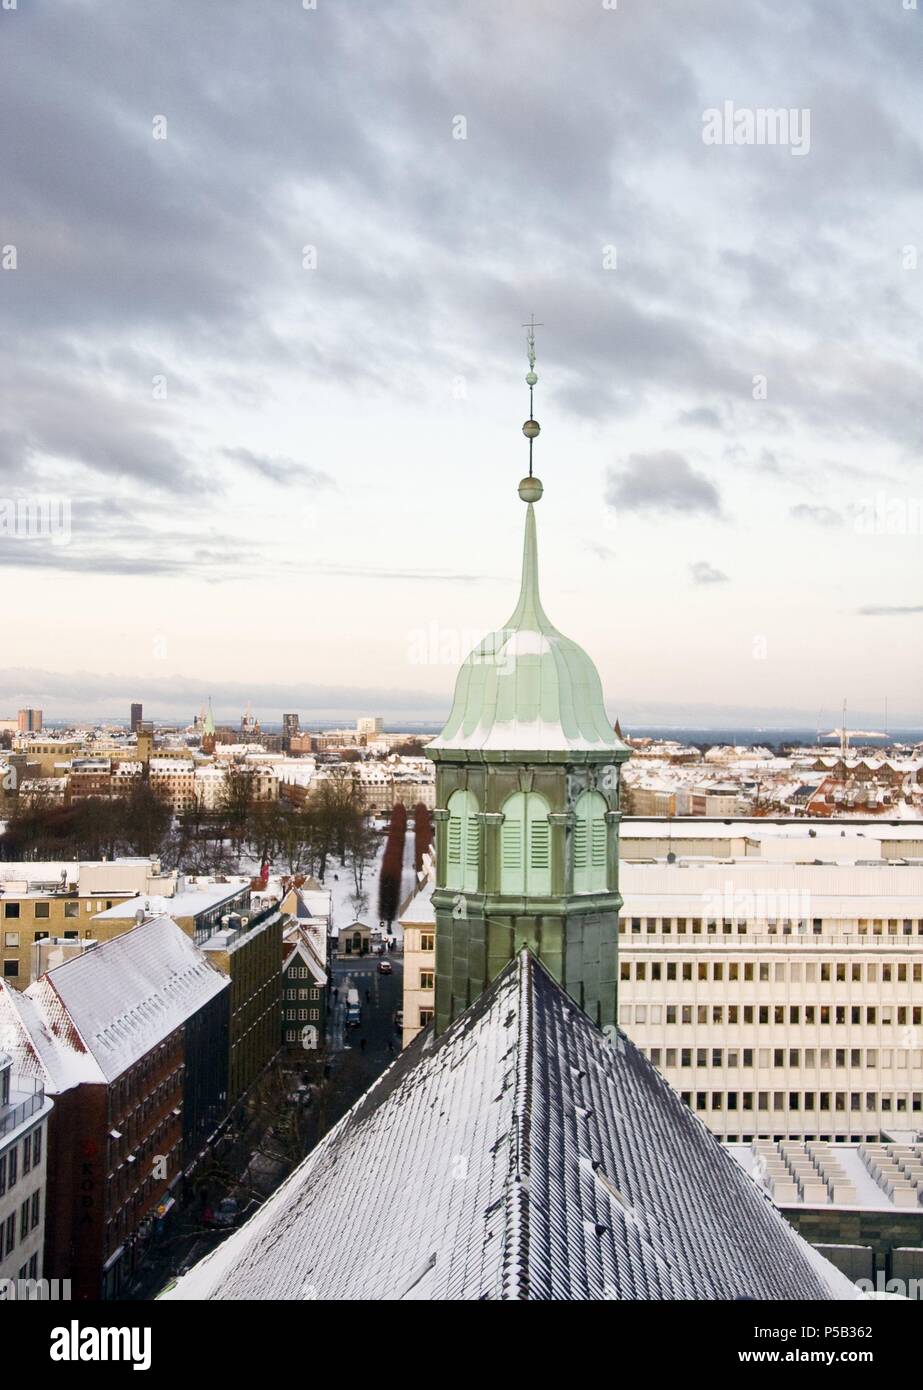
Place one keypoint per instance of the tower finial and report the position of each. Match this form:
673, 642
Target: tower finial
530, 489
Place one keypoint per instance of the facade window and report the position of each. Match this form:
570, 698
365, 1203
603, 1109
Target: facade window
427, 979
43, 909
427, 941
426, 1017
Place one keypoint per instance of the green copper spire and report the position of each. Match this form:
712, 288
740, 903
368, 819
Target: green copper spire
209, 726
527, 686
528, 772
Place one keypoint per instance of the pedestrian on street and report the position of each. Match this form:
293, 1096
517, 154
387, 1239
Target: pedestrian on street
362, 1044
336, 992
368, 996
391, 1047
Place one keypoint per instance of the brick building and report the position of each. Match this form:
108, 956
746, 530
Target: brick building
115, 1037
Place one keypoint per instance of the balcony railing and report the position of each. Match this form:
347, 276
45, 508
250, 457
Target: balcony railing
12, 1116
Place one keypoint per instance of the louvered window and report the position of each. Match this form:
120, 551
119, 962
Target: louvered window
462, 843
590, 843
525, 845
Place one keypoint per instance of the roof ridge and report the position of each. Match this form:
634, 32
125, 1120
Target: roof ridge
516, 1257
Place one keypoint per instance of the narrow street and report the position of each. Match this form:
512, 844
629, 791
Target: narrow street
357, 1055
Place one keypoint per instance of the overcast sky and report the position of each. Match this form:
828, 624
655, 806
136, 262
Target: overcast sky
262, 332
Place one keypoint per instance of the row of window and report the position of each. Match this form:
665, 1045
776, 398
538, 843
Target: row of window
837, 1101
793, 972
302, 994
29, 1216
785, 926
525, 844
29, 1270
302, 1015
13, 911
810, 1057
871, 1015
31, 1149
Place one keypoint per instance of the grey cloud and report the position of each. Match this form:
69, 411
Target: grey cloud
704, 573
884, 610
703, 417
193, 244
819, 515
279, 469
663, 481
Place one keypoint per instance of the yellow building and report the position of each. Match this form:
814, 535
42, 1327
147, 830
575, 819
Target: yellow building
43, 900
419, 927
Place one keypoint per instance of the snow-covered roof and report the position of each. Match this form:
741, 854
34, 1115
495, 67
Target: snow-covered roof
108, 1007
421, 910
519, 1155
189, 903
302, 941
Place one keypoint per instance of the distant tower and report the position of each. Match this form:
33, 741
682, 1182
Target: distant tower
527, 797
208, 730
136, 717
145, 741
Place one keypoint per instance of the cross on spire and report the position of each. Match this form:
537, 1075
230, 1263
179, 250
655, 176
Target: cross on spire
532, 325
531, 427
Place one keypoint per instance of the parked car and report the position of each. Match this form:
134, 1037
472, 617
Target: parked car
353, 1010
226, 1212
385, 967
399, 1018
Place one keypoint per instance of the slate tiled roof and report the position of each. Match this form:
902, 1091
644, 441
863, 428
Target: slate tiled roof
517, 1156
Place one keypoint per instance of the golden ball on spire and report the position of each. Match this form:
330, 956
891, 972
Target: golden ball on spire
531, 429
530, 489
531, 378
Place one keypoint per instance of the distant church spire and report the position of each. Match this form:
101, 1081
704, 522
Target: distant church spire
208, 730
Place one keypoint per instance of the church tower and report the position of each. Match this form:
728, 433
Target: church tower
208, 730
527, 806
